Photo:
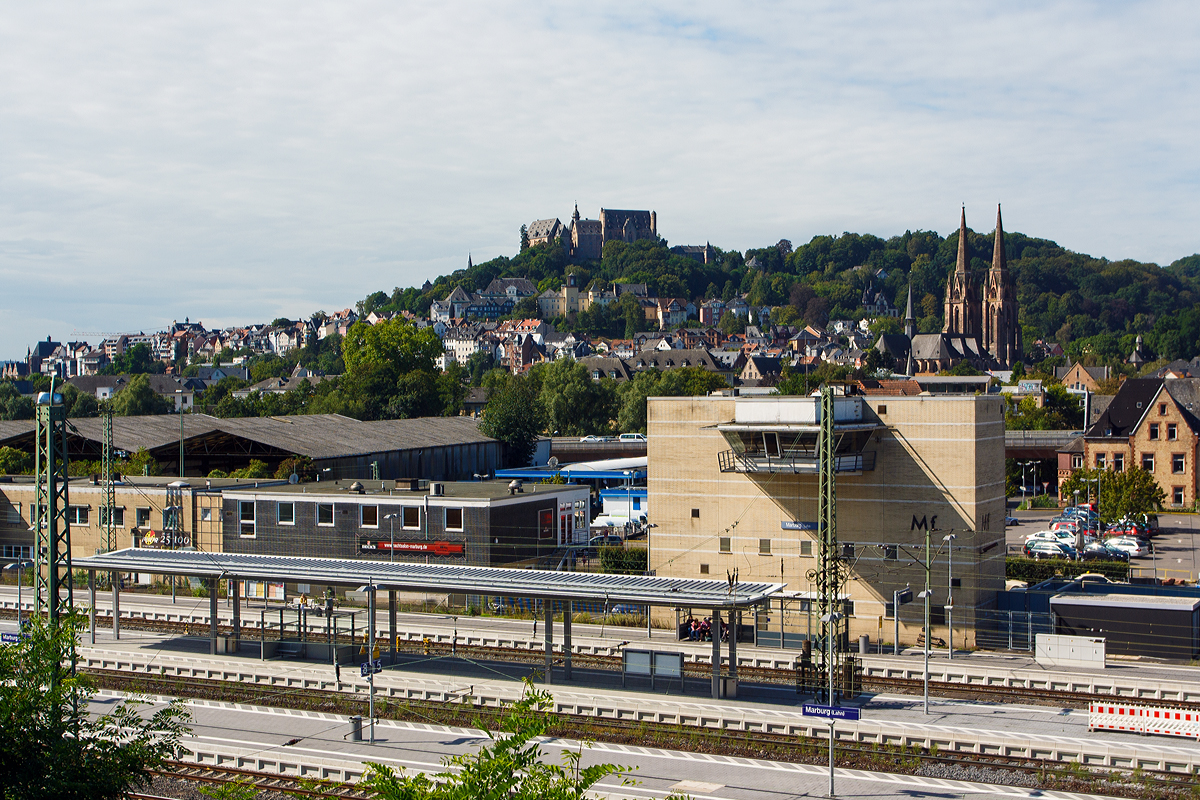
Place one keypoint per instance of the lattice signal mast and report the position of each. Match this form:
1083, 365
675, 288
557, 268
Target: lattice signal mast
54, 592
829, 563
110, 493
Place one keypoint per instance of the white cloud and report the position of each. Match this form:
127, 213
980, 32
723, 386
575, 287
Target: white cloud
238, 162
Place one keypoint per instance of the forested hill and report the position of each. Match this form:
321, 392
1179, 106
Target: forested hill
1088, 305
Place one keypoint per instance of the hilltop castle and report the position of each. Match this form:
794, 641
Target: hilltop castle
585, 238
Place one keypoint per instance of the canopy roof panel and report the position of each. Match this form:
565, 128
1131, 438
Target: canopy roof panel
643, 590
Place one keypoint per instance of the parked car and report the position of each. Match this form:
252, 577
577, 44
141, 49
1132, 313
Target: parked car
1129, 545
1098, 551
1066, 537
1040, 549
1010, 521
633, 437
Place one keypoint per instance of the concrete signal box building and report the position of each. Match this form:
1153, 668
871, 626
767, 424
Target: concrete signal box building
733, 484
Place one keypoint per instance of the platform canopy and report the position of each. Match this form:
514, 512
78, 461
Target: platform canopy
495, 581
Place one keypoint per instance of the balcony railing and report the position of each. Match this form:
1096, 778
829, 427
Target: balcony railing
733, 461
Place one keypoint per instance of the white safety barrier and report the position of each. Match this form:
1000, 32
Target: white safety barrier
1144, 719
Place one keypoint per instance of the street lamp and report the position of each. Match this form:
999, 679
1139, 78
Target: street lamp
1024, 466
926, 595
948, 538
831, 621
19, 565
391, 518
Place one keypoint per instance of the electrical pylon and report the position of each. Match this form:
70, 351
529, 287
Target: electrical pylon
110, 493
51, 523
828, 574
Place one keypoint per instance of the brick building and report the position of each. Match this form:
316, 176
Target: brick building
1151, 424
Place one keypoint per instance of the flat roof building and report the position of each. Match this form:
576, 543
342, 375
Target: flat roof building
485, 523
733, 484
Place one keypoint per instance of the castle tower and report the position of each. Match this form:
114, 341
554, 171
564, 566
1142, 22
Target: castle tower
962, 303
1001, 329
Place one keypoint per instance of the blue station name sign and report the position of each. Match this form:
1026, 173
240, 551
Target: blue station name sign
830, 712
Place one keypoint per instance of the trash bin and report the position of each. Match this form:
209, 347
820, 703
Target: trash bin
729, 686
356, 728
864, 644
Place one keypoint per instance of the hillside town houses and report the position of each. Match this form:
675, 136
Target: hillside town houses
469, 323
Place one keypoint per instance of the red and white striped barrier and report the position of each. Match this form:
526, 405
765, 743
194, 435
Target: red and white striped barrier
1144, 719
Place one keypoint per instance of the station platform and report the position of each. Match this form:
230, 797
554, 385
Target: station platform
1036, 732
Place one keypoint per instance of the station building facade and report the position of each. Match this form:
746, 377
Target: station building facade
152, 512
733, 483
485, 523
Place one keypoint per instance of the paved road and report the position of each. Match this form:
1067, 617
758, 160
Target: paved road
413, 746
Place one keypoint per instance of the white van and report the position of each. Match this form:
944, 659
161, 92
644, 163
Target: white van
633, 437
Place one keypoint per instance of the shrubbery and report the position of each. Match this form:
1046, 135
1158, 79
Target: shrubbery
1027, 569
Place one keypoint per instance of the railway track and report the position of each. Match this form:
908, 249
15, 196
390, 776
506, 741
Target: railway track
745, 744
764, 675
262, 781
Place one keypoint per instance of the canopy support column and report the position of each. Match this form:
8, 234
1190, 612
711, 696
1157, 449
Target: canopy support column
115, 582
91, 605
548, 605
212, 616
392, 624
568, 612
235, 591
715, 632
734, 619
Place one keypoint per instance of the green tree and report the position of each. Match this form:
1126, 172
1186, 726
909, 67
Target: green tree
376, 356
1060, 410
15, 462
138, 399
1122, 494
512, 416
12, 404
137, 360
572, 403
255, 469
524, 238
79, 404
509, 766
51, 745
452, 389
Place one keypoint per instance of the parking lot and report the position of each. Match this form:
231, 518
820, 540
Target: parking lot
1175, 547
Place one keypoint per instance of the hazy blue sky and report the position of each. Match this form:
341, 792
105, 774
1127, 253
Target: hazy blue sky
235, 162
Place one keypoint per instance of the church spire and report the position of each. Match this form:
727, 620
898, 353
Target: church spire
909, 322
469, 264
963, 311
575, 216
962, 264
1001, 328
999, 260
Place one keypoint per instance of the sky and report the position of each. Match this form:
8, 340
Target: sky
235, 162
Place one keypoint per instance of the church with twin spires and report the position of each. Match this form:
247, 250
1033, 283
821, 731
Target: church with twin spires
984, 332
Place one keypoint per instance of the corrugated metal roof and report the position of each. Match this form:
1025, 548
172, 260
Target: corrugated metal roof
314, 435
643, 590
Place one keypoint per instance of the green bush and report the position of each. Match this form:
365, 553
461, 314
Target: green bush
1041, 501
624, 561
1027, 569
